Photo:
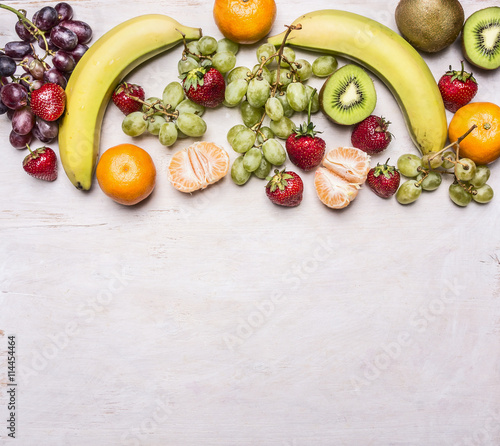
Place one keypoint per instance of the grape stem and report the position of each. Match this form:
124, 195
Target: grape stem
28, 24
151, 110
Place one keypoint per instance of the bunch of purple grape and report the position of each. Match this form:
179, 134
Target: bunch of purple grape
59, 40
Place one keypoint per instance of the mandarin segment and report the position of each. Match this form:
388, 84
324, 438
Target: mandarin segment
333, 190
349, 163
197, 166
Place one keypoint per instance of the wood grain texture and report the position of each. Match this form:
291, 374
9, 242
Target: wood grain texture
219, 319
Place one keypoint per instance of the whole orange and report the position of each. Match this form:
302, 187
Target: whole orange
482, 145
244, 21
126, 173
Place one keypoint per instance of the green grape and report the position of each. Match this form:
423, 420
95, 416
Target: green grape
459, 195
227, 45
408, 192
296, 96
264, 169
134, 124
265, 73
153, 124
264, 134
431, 161
449, 158
250, 115
238, 172
265, 51
409, 165
323, 66
181, 135
430, 182
315, 100
289, 54
285, 77
207, 45
188, 106
224, 61
274, 109
183, 66
252, 159
274, 152
241, 138
149, 104
287, 110
465, 169
238, 73
194, 50
206, 63
483, 194
191, 124
168, 134
257, 92
282, 128
235, 92
305, 70
481, 176
173, 95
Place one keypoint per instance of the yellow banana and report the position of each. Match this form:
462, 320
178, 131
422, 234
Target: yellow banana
94, 79
389, 57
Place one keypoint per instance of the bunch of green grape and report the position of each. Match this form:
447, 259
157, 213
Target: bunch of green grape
275, 89
175, 116
426, 173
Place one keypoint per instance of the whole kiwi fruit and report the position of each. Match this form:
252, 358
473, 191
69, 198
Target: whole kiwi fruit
430, 25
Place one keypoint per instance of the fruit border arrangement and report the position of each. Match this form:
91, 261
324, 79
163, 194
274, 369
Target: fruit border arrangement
46, 102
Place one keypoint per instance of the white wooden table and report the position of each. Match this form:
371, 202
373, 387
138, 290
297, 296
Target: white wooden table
221, 319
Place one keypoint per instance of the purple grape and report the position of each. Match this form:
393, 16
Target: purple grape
36, 68
23, 121
26, 62
18, 49
64, 10
20, 141
81, 29
63, 38
63, 61
23, 32
43, 45
46, 18
55, 76
3, 108
7, 66
10, 113
79, 51
45, 131
14, 96
36, 84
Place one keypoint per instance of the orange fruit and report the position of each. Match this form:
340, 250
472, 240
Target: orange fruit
126, 173
344, 171
244, 21
334, 191
482, 145
197, 166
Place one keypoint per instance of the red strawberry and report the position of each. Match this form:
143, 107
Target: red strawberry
305, 149
205, 86
48, 102
371, 135
457, 88
127, 97
285, 188
383, 180
41, 164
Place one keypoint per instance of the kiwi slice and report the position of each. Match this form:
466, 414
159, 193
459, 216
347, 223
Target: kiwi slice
348, 96
481, 38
